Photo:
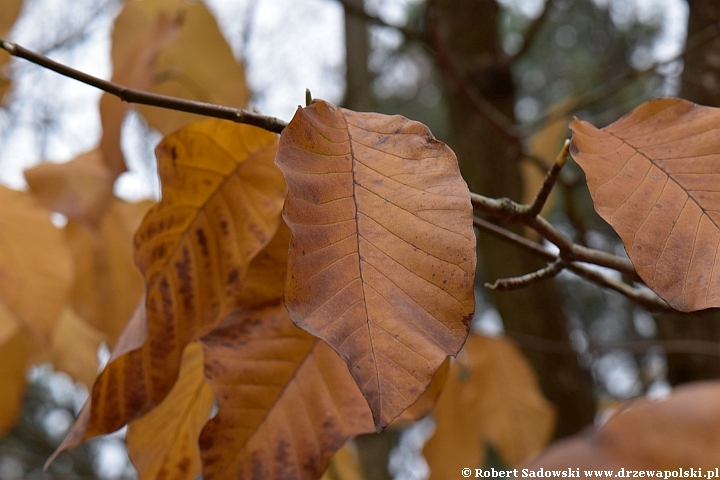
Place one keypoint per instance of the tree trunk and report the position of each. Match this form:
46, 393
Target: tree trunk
467, 37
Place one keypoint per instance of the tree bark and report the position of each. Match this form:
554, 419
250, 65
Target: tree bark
467, 40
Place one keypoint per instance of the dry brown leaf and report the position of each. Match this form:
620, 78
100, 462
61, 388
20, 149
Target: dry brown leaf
196, 63
163, 443
79, 189
426, 402
286, 400
382, 259
220, 206
73, 347
681, 431
35, 263
491, 396
264, 371
654, 176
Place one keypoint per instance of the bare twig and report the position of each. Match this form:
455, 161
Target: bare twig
507, 210
129, 95
514, 283
642, 297
409, 34
532, 31
549, 182
493, 116
559, 347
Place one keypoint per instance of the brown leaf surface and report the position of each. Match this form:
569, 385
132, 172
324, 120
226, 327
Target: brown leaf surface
286, 400
681, 431
654, 177
426, 402
35, 263
196, 63
220, 206
491, 396
80, 189
382, 259
163, 443
107, 285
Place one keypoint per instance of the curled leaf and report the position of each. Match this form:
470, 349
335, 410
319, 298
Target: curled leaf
654, 176
382, 258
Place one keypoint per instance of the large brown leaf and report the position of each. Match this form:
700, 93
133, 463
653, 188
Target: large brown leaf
681, 431
382, 259
220, 206
654, 175
267, 375
286, 400
491, 396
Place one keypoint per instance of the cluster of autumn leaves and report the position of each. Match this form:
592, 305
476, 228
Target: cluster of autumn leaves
381, 270
356, 228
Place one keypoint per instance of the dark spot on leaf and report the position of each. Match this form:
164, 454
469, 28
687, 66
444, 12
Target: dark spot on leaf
224, 227
202, 240
381, 140
657, 205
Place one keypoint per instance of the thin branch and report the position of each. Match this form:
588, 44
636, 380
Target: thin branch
514, 283
493, 116
507, 210
532, 31
550, 178
559, 347
642, 297
359, 12
129, 95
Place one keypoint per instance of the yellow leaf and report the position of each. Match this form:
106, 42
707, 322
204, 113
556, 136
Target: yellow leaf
136, 68
491, 396
344, 465
74, 346
382, 259
79, 189
36, 269
163, 443
197, 64
15, 354
221, 203
108, 285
